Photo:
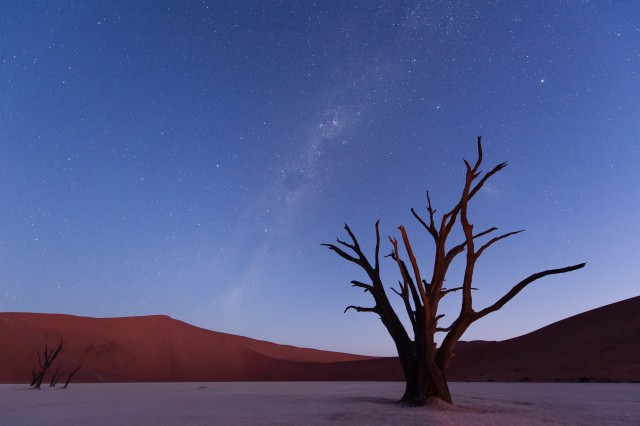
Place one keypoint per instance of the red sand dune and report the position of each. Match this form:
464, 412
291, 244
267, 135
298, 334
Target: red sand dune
603, 344
159, 348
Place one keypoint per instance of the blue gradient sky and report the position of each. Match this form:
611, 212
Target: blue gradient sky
188, 158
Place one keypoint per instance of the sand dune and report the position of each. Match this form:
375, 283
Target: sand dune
152, 348
603, 344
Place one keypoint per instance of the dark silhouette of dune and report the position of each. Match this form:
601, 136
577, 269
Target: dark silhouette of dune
598, 345
602, 344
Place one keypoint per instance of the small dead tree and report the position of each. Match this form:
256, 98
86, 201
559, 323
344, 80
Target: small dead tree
55, 377
424, 364
70, 376
44, 362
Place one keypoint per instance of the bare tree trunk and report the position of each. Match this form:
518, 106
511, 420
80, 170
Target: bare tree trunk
71, 374
45, 362
34, 377
56, 376
422, 382
412, 380
423, 365
438, 387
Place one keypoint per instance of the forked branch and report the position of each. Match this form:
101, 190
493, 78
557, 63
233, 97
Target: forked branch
431, 227
343, 254
453, 252
449, 219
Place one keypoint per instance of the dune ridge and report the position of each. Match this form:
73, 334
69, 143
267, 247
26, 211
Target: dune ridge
602, 345
151, 348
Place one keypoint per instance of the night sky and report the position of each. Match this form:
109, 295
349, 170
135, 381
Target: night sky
188, 158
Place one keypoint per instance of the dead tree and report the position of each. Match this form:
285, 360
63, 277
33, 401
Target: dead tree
424, 364
55, 377
44, 362
70, 376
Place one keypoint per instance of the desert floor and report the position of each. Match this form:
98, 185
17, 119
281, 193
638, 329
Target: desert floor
316, 403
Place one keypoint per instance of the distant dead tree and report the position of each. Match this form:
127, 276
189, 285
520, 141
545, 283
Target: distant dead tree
423, 363
70, 376
44, 362
55, 377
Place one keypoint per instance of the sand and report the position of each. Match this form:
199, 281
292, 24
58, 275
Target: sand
317, 403
158, 348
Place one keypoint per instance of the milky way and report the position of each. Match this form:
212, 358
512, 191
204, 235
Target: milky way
190, 158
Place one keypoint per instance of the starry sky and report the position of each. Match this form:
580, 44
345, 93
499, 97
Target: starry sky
188, 158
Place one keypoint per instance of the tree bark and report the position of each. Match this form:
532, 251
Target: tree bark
423, 383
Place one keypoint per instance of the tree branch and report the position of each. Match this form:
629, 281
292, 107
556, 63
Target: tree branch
398, 292
494, 240
486, 177
414, 264
356, 247
343, 254
467, 228
352, 247
412, 287
444, 329
454, 251
479, 160
361, 309
449, 219
521, 285
407, 305
446, 291
366, 287
361, 260
70, 376
431, 227
408, 284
